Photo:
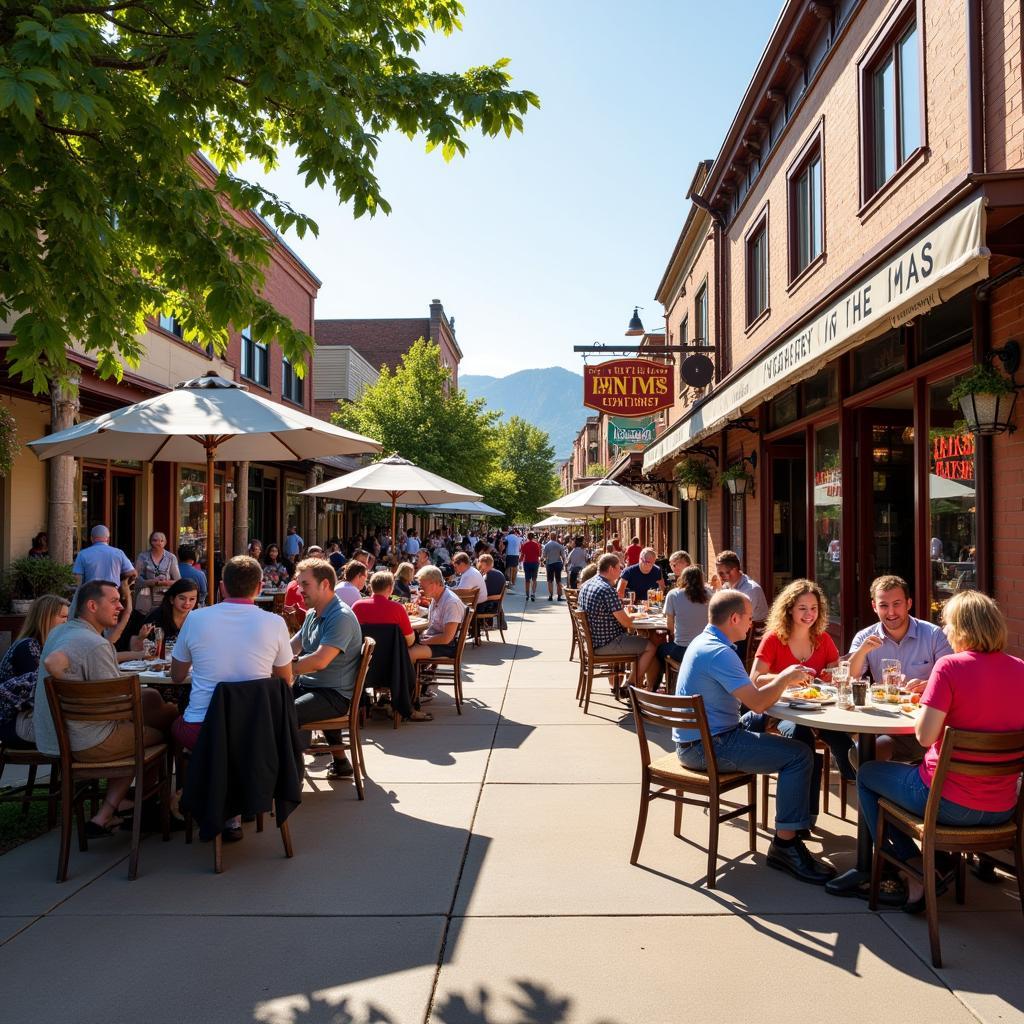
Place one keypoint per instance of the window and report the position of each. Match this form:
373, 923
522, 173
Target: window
891, 103
684, 339
171, 325
757, 269
291, 384
828, 515
805, 211
254, 359
700, 315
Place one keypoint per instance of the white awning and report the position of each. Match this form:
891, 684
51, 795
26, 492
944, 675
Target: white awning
941, 261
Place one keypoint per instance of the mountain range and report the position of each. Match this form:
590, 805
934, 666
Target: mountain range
550, 398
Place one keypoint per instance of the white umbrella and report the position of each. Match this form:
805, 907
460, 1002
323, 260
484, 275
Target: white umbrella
472, 508
393, 479
557, 521
206, 419
606, 497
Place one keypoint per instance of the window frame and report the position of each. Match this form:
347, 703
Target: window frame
292, 389
246, 363
883, 45
755, 317
684, 340
812, 150
701, 295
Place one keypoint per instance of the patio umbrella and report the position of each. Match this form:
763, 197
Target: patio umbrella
206, 419
606, 497
393, 479
471, 508
557, 521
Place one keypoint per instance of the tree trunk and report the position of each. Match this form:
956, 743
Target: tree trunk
64, 408
241, 540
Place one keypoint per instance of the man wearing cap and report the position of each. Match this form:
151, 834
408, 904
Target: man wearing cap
100, 561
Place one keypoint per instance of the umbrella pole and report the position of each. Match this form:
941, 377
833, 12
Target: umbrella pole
394, 520
211, 588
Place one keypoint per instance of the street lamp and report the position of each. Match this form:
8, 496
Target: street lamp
636, 327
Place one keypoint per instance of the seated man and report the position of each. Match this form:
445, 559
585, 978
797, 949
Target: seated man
229, 642
712, 669
353, 581
445, 613
328, 649
643, 576
469, 578
294, 602
493, 580
78, 650
610, 624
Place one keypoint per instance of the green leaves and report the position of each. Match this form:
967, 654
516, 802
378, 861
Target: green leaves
107, 215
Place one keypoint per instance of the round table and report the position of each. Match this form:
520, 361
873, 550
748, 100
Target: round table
869, 723
650, 624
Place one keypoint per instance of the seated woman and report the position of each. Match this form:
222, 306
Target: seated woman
795, 635
980, 688
686, 612
181, 597
275, 572
403, 579
20, 668
493, 580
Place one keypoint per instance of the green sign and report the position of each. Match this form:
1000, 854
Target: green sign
624, 433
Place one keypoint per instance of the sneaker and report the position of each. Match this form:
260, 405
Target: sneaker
550, 598
559, 597
341, 770
426, 696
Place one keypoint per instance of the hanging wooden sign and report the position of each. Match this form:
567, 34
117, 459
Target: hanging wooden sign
629, 387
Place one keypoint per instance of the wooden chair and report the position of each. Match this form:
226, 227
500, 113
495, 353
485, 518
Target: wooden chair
572, 600
964, 753
484, 620
33, 760
756, 635
667, 779
347, 726
470, 597
277, 605
99, 701
448, 668
590, 662
671, 674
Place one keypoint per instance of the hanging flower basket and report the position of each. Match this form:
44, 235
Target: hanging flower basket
736, 479
694, 478
987, 400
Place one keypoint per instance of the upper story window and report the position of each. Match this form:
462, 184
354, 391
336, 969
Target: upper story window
684, 339
700, 315
806, 207
892, 108
291, 384
171, 325
757, 268
254, 359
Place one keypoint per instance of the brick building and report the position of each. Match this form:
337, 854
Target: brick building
854, 248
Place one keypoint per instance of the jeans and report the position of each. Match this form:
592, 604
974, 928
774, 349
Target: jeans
759, 722
739, 750
902, 784
670, 649
314, 704
840, 743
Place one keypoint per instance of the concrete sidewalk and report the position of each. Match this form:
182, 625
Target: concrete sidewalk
486, 880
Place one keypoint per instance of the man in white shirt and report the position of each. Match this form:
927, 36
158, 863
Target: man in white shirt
512, 544
230, 642
445, 614
732, 577
412, 544
470, 578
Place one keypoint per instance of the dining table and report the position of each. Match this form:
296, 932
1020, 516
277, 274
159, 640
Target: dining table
868, 723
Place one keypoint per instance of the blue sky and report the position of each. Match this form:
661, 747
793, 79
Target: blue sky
547, 239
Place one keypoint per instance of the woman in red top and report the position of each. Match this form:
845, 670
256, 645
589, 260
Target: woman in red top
978, 687
795, 635
529, 559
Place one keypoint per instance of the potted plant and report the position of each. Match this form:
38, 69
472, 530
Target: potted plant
987, 399
29, 578
736, 478
694, 477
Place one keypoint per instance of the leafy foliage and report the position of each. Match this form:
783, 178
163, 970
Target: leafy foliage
693, 470
980, 379
523, 478
107, 214
30, 578
413, 411
9, 446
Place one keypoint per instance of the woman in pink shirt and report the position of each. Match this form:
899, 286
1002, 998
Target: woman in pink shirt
979, 688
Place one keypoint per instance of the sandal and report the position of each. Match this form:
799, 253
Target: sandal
420, 716
93, 830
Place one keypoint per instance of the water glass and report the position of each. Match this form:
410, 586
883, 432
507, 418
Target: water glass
844, 690
892, 677
149, 649
168, 649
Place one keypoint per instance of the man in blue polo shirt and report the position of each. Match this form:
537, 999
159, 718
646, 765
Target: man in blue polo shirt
100, 561
712, 670
328, 648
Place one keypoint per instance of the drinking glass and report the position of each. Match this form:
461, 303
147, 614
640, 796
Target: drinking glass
149, 649
652, 595
844, 691
892, 678
168, 649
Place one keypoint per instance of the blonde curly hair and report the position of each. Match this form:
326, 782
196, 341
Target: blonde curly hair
780, 618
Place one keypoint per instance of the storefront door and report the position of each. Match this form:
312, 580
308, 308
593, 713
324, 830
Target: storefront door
787, 476
887, 539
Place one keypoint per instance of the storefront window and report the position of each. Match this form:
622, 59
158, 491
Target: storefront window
192, 509
952, 501
820, 391
828, 514
783, 409
878, 360
738, 524
293, 500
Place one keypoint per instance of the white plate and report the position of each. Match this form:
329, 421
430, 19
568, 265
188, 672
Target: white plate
829, 694
136, 666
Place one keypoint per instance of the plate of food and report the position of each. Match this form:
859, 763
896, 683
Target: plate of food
814, 695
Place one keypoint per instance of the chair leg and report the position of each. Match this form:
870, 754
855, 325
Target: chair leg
876, 864
1018, 864
54, 797
218, 854
165, 804
133, 860
677, 818
764, 801
641, 819
30, 785
587, 687
931, 902
357, 770
66, 810
457, 672
826, 773
286, 839
752, 815
961, 878
715, 809
844, 784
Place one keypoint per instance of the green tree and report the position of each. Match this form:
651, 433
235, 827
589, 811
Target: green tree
524, 477
107, 215
415, 412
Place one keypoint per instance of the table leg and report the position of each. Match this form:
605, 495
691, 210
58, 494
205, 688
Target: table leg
851, 882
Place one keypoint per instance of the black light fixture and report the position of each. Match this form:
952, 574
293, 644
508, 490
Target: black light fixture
989, 404
636, 327
743, 484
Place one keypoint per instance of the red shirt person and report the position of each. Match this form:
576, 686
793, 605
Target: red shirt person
529, 558
633, 551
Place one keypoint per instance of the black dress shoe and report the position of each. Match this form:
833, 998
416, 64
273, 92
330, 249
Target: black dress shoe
799, 863
341, 770
232, 835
